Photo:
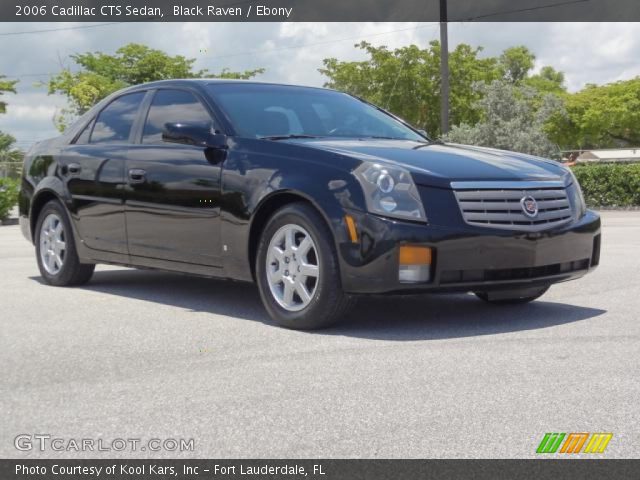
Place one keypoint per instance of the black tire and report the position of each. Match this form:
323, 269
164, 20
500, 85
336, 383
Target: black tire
72, 272
512, 297
328, 303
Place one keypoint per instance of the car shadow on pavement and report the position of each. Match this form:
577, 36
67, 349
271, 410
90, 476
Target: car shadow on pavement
398, 318
440, 316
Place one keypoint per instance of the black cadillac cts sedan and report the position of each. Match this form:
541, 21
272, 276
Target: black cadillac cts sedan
315, 195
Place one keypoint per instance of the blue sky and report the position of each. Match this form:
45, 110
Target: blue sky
292, 52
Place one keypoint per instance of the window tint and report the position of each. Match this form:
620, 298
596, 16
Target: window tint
83, 138
115, 121
173, 106
295, 127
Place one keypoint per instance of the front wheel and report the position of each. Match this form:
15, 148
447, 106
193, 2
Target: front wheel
297, 270
56, 251
514, 296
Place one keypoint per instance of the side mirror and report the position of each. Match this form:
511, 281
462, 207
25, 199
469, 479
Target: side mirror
198, 135
423, 132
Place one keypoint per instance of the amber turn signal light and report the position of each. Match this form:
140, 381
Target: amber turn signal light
351, 228
415, 255
415, 264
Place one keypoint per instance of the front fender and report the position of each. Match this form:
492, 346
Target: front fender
252, 181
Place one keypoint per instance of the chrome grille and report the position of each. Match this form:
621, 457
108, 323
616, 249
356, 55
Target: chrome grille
498, 204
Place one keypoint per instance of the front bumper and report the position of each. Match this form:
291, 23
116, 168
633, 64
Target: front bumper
467, 258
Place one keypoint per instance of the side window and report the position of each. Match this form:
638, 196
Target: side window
83, 138
173, 106
114, 123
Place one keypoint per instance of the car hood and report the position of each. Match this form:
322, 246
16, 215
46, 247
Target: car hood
440, 164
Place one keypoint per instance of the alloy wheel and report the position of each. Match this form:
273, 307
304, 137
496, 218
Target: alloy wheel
293, 267
52, 244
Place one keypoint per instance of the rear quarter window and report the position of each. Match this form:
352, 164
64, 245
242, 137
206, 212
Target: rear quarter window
83, 138
114, 123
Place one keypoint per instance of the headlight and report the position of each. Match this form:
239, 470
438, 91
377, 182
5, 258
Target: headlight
390, 191
578, 195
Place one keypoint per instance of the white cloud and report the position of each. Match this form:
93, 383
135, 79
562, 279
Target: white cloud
293, 52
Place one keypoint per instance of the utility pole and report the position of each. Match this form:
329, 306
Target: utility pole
444, 69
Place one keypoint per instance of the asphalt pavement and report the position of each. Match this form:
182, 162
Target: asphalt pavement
142, 354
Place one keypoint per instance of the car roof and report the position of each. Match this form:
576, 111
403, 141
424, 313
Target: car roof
80, 123
201, 82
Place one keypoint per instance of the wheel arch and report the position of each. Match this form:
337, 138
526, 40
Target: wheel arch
264, 211
37, 204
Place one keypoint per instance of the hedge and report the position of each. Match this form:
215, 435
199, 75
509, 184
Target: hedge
610, 184
8, 196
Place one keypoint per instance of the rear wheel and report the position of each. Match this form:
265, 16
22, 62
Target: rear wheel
513, 296
297, 270
56, 250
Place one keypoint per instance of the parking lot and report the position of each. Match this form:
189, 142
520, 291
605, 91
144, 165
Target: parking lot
142, 354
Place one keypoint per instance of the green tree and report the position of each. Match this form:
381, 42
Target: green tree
510, 120
9, 188
600, 116
6, 141
407, 81
548, 80
101, 74
10, 157
6, 86
516, 63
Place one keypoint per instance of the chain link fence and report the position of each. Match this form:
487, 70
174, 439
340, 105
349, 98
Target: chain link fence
10, 169
10, 172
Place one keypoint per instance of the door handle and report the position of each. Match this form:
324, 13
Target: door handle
73, 168
137, 175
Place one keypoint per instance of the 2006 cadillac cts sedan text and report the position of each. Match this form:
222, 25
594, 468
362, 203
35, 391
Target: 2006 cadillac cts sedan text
315, 195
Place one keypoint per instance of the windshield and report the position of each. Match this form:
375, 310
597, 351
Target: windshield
259, 111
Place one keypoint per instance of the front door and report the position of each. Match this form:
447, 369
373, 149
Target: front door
172, 202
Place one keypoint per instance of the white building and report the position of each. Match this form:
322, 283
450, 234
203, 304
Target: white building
621, 155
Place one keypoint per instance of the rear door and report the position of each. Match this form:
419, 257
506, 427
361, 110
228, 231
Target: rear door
173, 192
93, 168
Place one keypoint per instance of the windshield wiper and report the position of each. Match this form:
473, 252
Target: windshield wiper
381, 137
429, 143
286, 137
385, 138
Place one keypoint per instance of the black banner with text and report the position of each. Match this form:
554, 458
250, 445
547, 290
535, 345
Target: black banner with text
317, 469
319, 11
